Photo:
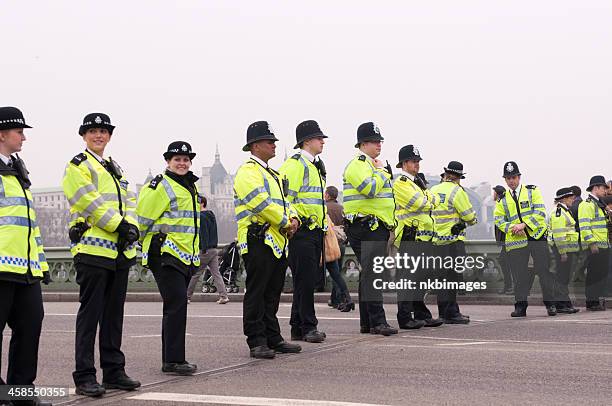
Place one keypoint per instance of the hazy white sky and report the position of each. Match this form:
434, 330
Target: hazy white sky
481, 82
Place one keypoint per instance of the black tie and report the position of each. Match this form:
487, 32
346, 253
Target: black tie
518, 209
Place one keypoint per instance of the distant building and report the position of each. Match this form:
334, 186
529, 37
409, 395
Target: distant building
50, 198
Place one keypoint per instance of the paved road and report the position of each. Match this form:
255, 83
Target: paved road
495, 360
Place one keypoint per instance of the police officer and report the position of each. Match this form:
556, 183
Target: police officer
594, 240
266, 221
500, 237
168, 217
451, 217
103, 234
563, 239
521, 215
305, 174
23, 264
368, 208
413, 235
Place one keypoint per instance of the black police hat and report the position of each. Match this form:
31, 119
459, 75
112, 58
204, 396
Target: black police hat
511, 169
306, 130
179, 148
597, 180
406, 153
96, 120
563, 192
368, 132
455, 168
259, 130
499, 189
11, 117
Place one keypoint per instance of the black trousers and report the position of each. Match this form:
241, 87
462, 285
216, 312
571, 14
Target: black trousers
447, 298
304, 257
368, 244
563, 276
505, 269
596, 277
265, 277
102, 297
519, 260
172, 284
21, 307
411, 301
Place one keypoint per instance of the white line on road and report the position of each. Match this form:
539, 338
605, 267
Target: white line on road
570, 351
239, 400
418, 337
204, 316
470, 343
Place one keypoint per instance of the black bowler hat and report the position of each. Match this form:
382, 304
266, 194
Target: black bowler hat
259, 130
368, 132
563, 192
455, 168
307, 130
597, 180
500, 190
408, 153
511, 169
96, 120
179, 148
11, 117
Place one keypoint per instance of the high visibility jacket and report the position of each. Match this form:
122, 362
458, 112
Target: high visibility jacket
368, 191
593, 224
21, 248
102, 201
562, 230
165, 206
413, 207
454, 207
305, 191
259, 199
531, 211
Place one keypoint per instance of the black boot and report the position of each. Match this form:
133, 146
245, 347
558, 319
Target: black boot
520, 309
347, 303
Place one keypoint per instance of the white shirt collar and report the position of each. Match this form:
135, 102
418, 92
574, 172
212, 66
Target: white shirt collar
593, 197
409, 176
517, 190
307, 155
262, 163
5, 159
98, 157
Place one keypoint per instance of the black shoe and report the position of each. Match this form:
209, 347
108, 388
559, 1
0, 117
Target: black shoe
179, 368
297, 337
433, 322
314, 336
595, 308
262, 352
458, 319
520, 309
91, 389
286, 348
346, 307
332, 304
122, 382
412, 325
383, 329
551, 310
364, 330
574, 310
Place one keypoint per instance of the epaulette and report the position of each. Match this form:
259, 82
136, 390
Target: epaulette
362, 158
531, 187
78, 159
155, 181
296, 156
403, 178
558, 213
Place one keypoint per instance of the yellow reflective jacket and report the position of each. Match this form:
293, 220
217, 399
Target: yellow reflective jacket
454, 207
101, 200
21, 248
165, 206
305, 190
413, 207
562, 230
593, 224
259, 199
368, 191
531, 211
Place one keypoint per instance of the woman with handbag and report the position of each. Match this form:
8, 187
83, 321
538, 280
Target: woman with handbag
333, 236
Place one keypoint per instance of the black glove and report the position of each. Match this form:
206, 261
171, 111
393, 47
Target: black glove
46, 278
76, 232
458, 228
128, 232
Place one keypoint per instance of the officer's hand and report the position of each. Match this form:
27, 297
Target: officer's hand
46, 278
563, 257
517, 228
378, 163
594, 249
129, 232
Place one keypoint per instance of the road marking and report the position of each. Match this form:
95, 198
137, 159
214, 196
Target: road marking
205, 316
570, 351
418, 337
470, 343
239, 400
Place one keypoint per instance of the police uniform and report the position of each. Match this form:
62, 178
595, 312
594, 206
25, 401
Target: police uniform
594, 232
264, 215
306, 184
413, 235
103, 233
452, 215
563, 238
525, 205
168, 218
369, 211
22, 263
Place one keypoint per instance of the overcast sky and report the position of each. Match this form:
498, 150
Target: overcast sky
481, 82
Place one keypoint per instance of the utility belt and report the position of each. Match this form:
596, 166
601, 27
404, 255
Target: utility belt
368, 221
257, 231
409, 233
